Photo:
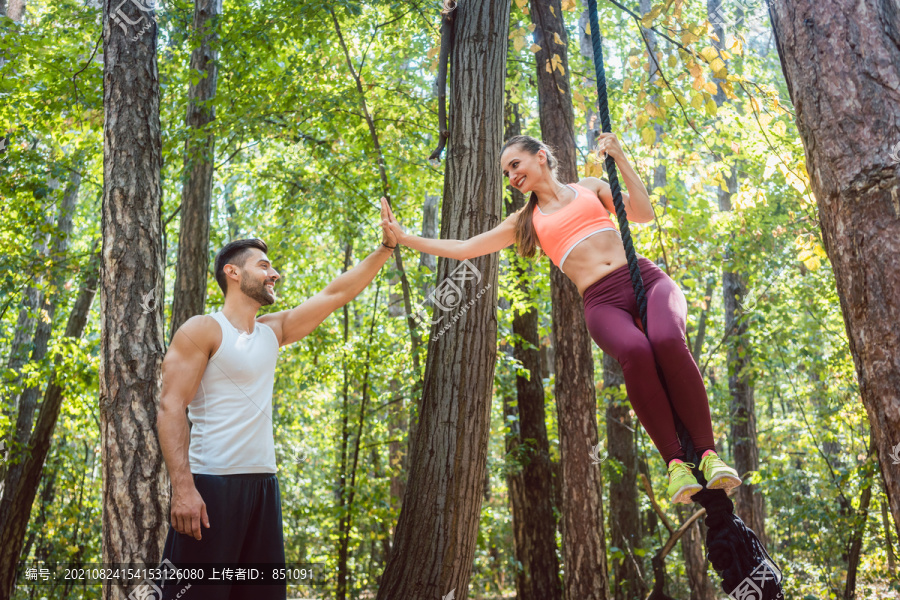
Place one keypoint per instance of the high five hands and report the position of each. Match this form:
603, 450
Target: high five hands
393, 233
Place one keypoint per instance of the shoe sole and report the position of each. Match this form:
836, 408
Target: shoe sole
684, 493
724, 482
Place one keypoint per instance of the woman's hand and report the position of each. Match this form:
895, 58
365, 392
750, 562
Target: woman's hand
608, 143
393, 233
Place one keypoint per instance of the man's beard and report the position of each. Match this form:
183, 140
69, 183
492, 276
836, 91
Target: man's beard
258, 291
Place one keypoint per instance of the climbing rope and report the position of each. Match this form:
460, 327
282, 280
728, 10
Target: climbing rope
734, 550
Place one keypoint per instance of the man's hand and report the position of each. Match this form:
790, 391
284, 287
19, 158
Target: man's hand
188, 510
393, 233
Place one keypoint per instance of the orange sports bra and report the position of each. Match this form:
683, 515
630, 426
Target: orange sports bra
562, 230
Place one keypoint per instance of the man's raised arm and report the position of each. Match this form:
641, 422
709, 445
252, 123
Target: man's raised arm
293, 325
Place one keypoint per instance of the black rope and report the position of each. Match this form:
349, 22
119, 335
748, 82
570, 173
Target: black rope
735, 551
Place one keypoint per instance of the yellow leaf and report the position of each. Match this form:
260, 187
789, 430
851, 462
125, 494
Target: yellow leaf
587, 30
709, 53
519, 43
626, 85
549, 68
651, 109
711, 108
711, 88
695, 70
669, 100
535, 48
812, 263
642, 120
561, 91
697, 101
531, 27
433, 51
556, 39
719, 68
576, 95
689, 38
735, 147
552, 11
649, 136
521, 3
699, 83
673, 61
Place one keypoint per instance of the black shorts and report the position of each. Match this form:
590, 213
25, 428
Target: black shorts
245, 528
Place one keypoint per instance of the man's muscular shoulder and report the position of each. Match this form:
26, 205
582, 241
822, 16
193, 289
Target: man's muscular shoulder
200, 332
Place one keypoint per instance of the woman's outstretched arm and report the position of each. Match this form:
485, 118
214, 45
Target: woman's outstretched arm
494, 240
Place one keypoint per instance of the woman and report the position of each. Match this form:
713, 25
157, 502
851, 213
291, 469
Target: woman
571, 223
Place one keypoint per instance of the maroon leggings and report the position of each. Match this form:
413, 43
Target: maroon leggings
611, 314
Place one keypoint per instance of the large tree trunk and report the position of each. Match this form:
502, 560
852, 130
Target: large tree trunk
629, 581
17, 493
843, 76
749, 503
436, 533
584, 546
530, 482
135, 483
199, 153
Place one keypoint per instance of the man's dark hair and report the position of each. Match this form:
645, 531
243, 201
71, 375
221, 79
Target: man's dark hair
235, 253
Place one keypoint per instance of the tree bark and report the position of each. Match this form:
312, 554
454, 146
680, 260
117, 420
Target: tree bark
437, 529
584, 545
847, 108
624, 509
530, 479
749, 504
12, 533
135, 482
189, 296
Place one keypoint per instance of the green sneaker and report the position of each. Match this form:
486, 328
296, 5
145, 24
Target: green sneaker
682, 483
719, 476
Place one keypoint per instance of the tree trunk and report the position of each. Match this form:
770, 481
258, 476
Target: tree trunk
436, 533
21, 345
749, 504
341, 499
848, 108
584, 545
12, 534
189, 296
28, 399
695, 563
135, 482
861, 517
624, 509
530, 481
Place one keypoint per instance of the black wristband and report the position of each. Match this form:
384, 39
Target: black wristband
386, 246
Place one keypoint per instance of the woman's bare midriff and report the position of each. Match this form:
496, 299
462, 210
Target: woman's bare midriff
594, 258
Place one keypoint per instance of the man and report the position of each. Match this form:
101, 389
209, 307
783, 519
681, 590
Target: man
226, 503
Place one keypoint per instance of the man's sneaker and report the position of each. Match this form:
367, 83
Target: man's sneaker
682, 483
719, 476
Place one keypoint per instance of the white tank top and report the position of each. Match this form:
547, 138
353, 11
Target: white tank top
232, 410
